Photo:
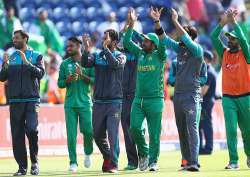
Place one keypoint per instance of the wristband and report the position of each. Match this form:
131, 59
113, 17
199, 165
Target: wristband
156, 21
159, 31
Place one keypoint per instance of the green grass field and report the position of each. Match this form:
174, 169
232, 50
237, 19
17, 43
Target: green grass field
212, 166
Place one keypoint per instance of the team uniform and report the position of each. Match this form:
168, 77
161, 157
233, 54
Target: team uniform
236, 91
148, 102
129, 84
77, 106
171, 81
206, 126
107, 102
24, 99
187, 96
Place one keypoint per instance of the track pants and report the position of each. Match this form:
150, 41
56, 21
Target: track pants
131, 150
187, 114
24, 120
106, 119
206, 128
151, 109
237, 110
83, 115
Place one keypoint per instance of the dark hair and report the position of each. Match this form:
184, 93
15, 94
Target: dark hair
192, 31
114, 36
75, 40
23, 34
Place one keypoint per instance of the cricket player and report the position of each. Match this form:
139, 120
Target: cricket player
187, 94
148, 102
23, 71
78, 82
208, 93
109, 64
129, 84
235, 64
171, 81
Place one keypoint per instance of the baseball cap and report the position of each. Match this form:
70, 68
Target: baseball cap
152, 37
231, 34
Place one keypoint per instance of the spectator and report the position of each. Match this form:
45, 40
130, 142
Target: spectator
46, 28
8, 25
111, 23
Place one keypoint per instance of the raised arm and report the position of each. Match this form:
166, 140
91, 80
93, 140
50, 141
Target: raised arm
215, 37
240, 35
193, 46
165, 41
87, 59
37, 69
114, 61
127, 42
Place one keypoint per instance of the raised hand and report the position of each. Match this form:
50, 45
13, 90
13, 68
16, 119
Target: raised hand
5, 58
155, 14
231, 14
107, 41
174, 15
224, 19
78, 69
132, 15
23, 57
86, 41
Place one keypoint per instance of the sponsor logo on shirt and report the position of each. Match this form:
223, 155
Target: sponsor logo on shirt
146, 68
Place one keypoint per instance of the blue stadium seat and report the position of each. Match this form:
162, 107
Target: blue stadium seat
142, 12
75, 13
27, 13
59, 13
78, 27
63, 26
93, 25
91, 12
122, 13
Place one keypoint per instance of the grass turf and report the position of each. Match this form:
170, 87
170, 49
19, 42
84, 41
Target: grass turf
169, 162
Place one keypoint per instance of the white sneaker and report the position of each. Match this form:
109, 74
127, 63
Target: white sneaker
87, 161
153, 167
73, 167
143, 163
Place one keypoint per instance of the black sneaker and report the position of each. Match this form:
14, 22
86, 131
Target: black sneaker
20, 172
34, 169
192, 168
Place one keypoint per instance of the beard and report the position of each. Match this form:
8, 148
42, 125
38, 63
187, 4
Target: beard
18, 46
233, 48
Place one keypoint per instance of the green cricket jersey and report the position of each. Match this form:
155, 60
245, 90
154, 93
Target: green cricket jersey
150, 68
78, 93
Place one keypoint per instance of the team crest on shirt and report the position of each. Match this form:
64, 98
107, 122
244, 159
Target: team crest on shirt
191, 111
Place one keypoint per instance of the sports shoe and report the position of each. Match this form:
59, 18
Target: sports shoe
232, 166
153, 167
105, 165
143, 163
73, 167
87, 161
192, 168
248, 161
34, 169
130, 167
183, 163
20, 172
112, 170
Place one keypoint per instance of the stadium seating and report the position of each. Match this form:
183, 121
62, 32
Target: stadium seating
73, 17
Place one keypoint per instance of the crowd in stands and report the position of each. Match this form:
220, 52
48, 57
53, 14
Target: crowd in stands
51, 22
